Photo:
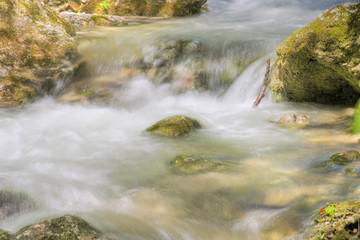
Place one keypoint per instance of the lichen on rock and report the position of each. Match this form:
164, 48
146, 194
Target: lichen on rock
174, 126
36, 50
321, 61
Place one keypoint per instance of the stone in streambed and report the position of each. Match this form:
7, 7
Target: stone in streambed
294, 120
352, 171
342, 158
192, 164
12, 203
174, 126
62, 228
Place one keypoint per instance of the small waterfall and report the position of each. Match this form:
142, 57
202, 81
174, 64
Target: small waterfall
247, 86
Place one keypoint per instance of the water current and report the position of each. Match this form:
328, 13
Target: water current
96, 161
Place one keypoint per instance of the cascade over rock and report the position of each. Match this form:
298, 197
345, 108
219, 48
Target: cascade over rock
321, 61
36, 50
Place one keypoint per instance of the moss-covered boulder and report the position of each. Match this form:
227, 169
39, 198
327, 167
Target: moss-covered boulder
62, 228
131, 7
341, 158
192, 164
338, 221
321, 61
294, 120
36, 50
174, 126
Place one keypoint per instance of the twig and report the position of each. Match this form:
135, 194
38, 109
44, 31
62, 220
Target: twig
265, 84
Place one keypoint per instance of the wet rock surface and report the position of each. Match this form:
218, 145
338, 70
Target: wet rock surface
174, 126
37, 51
12, 203
320, 62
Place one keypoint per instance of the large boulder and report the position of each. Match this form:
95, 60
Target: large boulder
174, 126
131, 7
321, 61
62, 228
36, 50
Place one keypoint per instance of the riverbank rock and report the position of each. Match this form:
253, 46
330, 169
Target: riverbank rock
131, 7
321, 61
62, 228
337, 221
294, 120
12, 203
36, 51
174, 126
192, 164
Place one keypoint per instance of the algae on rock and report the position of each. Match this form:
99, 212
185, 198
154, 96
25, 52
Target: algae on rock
321, 61
174, 126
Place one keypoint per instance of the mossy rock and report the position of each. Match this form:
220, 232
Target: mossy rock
102, 20
337, 222
5, 235
37, 51
294, 120
352, 171
192, 164
341, 158
356, 119
62, 228
174, 126
321, 61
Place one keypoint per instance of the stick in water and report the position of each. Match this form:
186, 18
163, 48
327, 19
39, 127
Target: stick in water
265, 84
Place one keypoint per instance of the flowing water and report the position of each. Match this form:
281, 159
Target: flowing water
96, 160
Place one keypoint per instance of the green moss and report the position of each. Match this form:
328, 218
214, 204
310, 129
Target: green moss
342, 158
339, 225
193, 164
315, 63
356, 121
174, 126
102, 20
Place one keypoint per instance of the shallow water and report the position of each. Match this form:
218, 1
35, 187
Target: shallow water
96, 160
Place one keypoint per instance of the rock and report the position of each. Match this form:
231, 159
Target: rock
36, 51
12, 203
352, 171
174, 126
131, 7
102, 20
294, 120
356, 120
341, 158
62, 228
192, 164
319, 62
5, 235
336, 221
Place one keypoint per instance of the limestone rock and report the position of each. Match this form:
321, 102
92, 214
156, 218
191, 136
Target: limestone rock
294, 120
321, 61
174, 126
36, 50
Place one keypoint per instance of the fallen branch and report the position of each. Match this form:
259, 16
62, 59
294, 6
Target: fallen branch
265, 84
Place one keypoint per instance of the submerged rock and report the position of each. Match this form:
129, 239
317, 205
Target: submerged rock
36, 50
337, 221
62, 228
352, 171
12, 203
174, 126
294, 120
192, 164
341, 158
321, 62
